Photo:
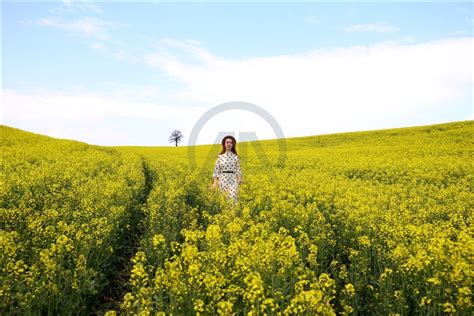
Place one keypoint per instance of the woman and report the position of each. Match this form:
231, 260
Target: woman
227, 173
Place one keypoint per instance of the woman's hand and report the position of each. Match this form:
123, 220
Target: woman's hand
213, 185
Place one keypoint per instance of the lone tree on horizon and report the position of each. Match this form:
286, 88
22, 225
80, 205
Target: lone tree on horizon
176, 137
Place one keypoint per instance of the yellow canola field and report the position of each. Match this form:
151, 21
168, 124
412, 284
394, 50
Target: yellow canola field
376, 222
65, 208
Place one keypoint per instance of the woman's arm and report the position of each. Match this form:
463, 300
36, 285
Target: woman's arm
216, 173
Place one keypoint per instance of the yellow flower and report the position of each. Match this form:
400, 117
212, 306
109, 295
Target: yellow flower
213, 233
158, 240
364, 241
448, 308
424, 301
350, 289
198, 306
435, 281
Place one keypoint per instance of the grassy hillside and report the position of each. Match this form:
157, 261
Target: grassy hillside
373, 222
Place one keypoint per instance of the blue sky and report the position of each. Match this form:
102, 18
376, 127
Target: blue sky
120, 73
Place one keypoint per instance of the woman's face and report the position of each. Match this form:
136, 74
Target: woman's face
228, 144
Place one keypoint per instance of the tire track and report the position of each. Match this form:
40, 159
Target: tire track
120, 268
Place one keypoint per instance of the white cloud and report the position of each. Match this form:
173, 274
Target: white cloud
88, 26
74, 18
335, 89
68, 6
168, 50
117, 50
321, 91
93, 117
371, 28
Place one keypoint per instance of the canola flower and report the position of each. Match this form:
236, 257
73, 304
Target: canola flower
64, 209
375, 222
372, 222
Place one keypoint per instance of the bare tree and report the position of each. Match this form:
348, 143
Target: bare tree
176, 137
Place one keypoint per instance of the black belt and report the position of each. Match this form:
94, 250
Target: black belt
227, 171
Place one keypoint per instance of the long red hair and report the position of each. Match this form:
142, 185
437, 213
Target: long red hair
223, 150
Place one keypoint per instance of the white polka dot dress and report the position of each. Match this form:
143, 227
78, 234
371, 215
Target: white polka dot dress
227, 168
